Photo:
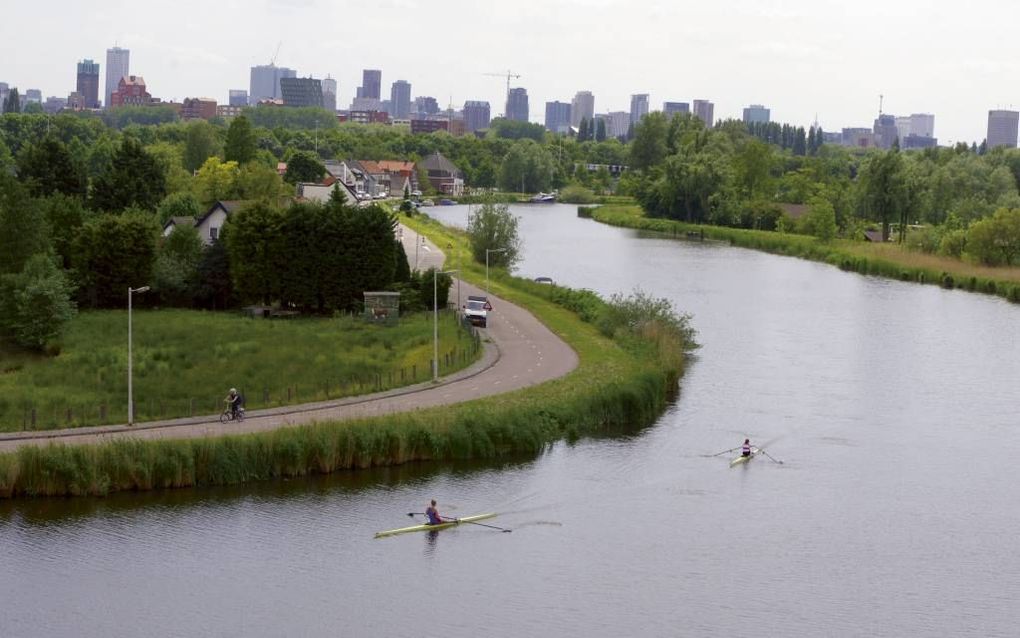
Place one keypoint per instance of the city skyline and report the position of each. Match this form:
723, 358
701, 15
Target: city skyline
781, 58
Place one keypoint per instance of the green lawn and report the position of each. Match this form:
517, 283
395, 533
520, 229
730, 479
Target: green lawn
185, 361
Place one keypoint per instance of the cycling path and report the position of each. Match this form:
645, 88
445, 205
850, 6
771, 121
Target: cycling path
520, 351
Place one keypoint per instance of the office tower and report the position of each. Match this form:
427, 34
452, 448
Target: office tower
32, 96
301, 92
118, 65
54, 104
1002, 128
371, 84
329, 93
638, 107
705, 111
757, 114
903, 127
425, 105
618, 122
238, 97
582, 107
671, 108
88, 83
476, 116
265, 82
922, 124
517, 105
400, 100
557, 117
885, 130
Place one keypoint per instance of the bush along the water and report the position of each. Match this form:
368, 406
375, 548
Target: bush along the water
629, 368
807, 248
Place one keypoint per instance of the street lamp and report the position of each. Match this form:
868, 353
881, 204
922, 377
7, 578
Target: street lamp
449, 248
131, 400
487, 251
435, 321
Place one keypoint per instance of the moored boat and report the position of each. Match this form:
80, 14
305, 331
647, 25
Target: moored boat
426, 527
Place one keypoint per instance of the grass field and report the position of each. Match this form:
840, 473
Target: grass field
185, 361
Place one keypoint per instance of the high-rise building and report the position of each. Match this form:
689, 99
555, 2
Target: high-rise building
198, 108
88, 83
922, 124
705, 111
885, 130
517, 105
557, 117
582, 107
265, 82
118, 65
329, 93
32, 96
638, 107
400, 99
301, 92
476, 116
131, 91
757, 114
903, 127
1002, 128
371, 84
425, 105
367, 104
671, 108
54, 104
618, 122
238, 97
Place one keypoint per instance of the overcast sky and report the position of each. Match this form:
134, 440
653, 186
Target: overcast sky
799, 57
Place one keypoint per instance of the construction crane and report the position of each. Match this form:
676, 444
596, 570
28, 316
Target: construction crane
508, 75
272, 61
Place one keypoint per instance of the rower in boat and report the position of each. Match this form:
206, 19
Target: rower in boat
746, 449
433, 514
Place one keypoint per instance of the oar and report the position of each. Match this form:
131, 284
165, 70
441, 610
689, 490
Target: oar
723, 452
457, 520
770, 456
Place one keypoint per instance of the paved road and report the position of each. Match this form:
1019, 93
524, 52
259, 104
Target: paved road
520, 352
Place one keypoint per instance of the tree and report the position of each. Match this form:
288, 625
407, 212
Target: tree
201, 143
211, 286
256, 258
241, 142
492, 227
995, 241
582, 131
112, 253
23, 228
13, 102
47, 167
515, 130
215, 181
883, 187
64, 216
821, 219
258, 181
178, 205
134, 178
753, 167
600, 131
174, 269
650, 137
527, 167
35, 304
304, 166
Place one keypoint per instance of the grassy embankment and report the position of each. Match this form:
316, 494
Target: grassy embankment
623, 381
185, 361
885, 260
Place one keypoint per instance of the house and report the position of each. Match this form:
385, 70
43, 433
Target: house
795, 211
873, 236
322, 192
444, 175
351, 175
212, 221
402, 176
174, 222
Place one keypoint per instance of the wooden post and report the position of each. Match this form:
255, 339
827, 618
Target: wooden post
102, 413
191, 407
34, 415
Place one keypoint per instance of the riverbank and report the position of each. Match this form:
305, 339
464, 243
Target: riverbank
884, 260
620, 382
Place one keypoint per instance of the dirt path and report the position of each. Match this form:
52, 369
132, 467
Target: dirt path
519, 352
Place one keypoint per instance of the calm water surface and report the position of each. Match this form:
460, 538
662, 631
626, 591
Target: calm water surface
895, 513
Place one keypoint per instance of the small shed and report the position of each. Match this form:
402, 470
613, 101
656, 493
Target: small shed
382, 307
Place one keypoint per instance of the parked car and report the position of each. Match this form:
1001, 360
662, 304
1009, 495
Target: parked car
544, 280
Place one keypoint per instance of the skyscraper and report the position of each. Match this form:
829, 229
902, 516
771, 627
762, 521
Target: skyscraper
265, 82
425, 105
922, 124
88, 83
885, 130
638, 107
118, 65
756, 113
400, 100
301, 92
238, 97
517, 105
329, 93
705, 110
671, 108
476, 116
557, 117
618, 122
371, 84
582, 107
1002, 128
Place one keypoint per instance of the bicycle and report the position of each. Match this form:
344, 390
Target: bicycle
228, 415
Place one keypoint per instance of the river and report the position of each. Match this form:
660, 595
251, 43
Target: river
892, 405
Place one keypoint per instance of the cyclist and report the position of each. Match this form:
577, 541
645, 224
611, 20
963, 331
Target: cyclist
233, 402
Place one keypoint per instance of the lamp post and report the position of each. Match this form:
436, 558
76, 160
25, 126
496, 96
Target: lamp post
131, 400
487, 251
435, 321
449, 248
